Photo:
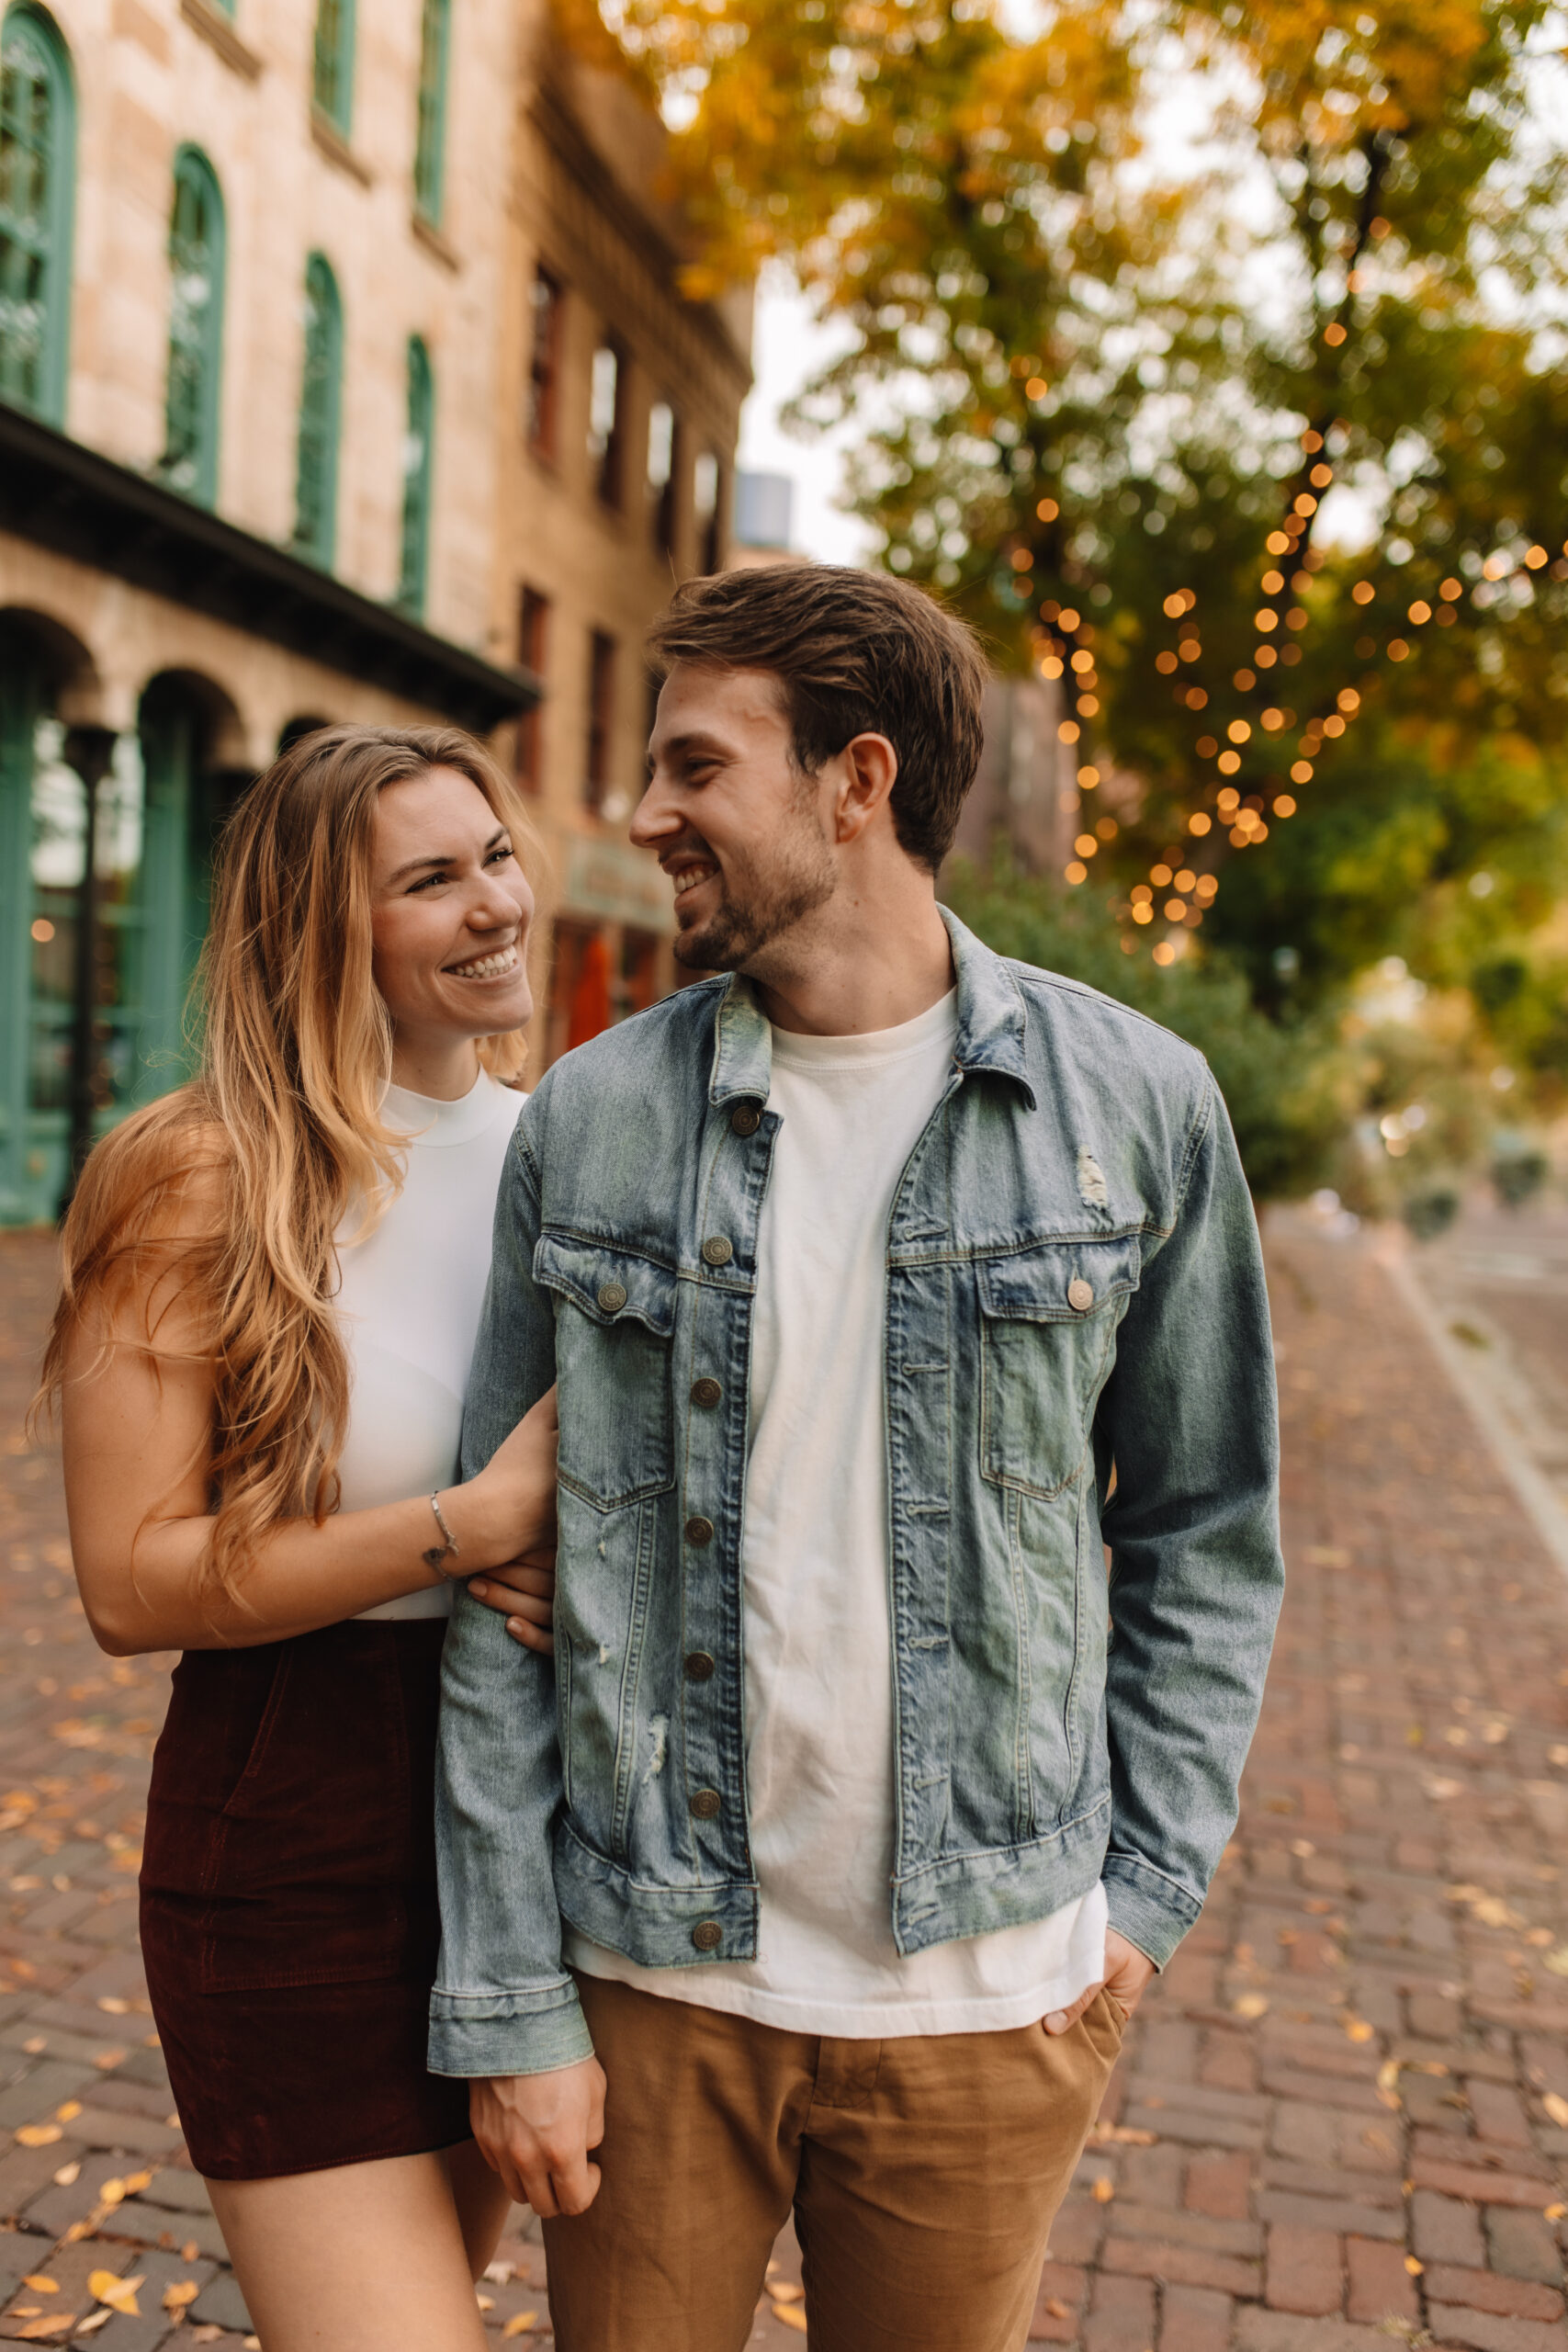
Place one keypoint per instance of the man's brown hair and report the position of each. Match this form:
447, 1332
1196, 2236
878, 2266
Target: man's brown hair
856, 653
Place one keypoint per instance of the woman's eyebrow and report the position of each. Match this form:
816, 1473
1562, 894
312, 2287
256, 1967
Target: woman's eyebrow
444, 857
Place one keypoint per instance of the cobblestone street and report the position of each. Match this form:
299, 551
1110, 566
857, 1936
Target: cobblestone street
1342, 2117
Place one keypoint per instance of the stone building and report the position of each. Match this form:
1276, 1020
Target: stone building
344, 374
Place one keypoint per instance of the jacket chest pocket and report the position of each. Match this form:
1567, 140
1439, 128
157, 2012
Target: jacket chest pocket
614, 1341
1048, 1323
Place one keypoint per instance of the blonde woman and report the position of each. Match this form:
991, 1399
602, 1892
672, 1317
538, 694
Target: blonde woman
272, 1283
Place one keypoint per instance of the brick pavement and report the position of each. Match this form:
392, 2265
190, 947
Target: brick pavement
1343, 2115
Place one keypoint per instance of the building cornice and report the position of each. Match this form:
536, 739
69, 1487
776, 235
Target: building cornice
67, 497
553, 117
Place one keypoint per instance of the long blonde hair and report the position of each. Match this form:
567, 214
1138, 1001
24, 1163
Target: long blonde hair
232, 1189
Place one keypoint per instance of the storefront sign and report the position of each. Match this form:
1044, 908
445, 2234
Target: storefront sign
615, 883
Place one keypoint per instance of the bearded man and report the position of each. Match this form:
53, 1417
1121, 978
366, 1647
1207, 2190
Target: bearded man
886, 1283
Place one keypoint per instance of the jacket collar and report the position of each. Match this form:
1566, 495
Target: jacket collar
991, 1020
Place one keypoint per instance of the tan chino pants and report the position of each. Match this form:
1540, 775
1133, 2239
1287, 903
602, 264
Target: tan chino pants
924, 2176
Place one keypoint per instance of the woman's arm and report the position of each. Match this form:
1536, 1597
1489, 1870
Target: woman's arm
136, 1444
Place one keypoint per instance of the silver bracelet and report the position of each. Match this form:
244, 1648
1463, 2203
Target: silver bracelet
450, 1546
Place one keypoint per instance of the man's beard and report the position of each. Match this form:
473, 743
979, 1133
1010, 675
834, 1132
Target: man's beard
801, 877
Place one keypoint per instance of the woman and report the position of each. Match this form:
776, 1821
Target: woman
272, 1283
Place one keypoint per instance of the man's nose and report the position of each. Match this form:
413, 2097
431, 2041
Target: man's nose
655, 818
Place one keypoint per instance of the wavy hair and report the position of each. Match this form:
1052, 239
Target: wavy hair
232, 1191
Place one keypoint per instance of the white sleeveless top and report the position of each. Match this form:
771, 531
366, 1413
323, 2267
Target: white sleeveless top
409, 1301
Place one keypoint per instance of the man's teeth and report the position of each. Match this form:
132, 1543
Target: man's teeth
486, 967
689, 877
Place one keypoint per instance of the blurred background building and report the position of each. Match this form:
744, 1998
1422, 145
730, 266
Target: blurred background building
343, 375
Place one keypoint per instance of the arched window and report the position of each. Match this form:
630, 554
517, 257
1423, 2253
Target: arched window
430, 142
38, 170
417, 439
189, 462
332, 77
321, 391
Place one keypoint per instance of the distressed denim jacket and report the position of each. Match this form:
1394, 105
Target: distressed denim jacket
1077, 1355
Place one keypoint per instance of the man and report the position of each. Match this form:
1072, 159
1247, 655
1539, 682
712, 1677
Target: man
879, 1276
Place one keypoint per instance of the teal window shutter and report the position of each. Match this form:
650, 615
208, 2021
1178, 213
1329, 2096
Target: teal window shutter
189, 462
38, 172
332, 81
430, 145
417, 453
321, 402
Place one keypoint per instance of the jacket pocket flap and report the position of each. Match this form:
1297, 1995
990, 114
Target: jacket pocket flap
1060, 1282
608, 1284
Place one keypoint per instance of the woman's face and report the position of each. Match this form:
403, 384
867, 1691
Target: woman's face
450, 912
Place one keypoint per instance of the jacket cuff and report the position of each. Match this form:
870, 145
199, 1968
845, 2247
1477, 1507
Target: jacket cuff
507, 2034
1146, 1907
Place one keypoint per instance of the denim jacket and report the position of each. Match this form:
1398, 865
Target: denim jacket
1077, 1355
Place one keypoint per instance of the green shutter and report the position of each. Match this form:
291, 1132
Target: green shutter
37, 191
418, 438
320, 398
334, 78
189, 462
430, 145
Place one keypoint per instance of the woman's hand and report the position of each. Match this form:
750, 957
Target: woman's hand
508, 1512
523, 1592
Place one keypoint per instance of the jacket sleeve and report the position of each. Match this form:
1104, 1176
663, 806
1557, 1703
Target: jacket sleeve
504, 2003
1189, 1419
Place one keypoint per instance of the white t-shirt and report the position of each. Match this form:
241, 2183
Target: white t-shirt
409, 1301
817, 1626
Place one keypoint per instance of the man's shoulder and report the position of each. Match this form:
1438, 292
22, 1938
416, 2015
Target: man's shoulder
1099, 1030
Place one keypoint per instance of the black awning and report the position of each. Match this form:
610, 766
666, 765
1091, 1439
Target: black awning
66, 497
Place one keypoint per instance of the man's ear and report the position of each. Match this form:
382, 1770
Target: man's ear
868, 770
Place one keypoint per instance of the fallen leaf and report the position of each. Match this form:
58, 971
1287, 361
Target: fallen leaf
40, 2284
183, 2291
112, 2193
1251, 2005
190, 2250
105, 2286
206, 2334
69, 2113
108, 2059
1388, 2074
786, 2292
1557, 1960
1556, 2107
39, 2135
37, 2329
113, 2005
1056, 2309
486, 2303
68, 2175
1103, 2190
135, 2182
519, 2323
501, 2273
1554, 2213
1357, 2030
790, 2316
1416, 2268
91, 2323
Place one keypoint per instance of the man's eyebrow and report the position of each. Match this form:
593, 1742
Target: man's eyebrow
679, 747
443, 858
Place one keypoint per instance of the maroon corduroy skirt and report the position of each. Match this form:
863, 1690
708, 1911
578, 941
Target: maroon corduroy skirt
288, 1915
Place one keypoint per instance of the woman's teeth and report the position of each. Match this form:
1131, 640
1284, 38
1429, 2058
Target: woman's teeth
486, 967
690, 876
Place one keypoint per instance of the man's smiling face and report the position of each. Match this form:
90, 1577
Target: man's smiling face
741, 831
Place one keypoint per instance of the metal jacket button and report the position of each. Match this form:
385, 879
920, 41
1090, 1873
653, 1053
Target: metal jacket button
1080, 1294
707, 1935
612, 1296
745, 1119
699, 1531
699, 1666
706, 1803
706, 1392
717, 1250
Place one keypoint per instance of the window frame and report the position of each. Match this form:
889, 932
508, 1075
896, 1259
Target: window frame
332, 67
534, 613
603, 652
430, 110
320, 548
59, 211
191, 166
607, 450
413, 546
547, 314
